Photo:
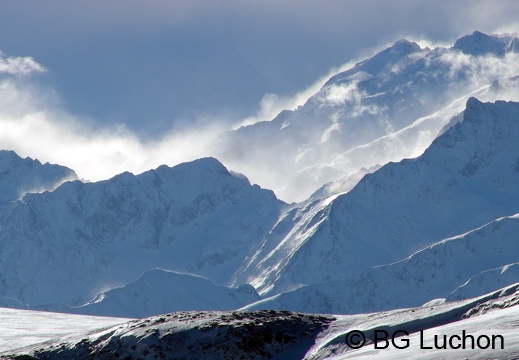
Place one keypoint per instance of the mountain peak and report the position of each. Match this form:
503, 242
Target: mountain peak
198, 170
479, 43
382, 60
465, 179
161, 291
405, 46
19, 176
205, 165
472, 101
195, 217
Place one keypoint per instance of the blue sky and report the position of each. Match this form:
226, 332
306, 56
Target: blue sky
101, 85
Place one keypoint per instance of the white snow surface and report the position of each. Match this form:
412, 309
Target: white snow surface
21, 328
267, 334
492, 314
486, 281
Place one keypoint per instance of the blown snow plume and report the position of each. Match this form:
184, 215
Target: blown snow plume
21, 176
385, 108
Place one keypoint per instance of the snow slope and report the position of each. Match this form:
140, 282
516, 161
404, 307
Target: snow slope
465, 179
81, 239
495, 313
278, 335
193, 335
159, 291
385, 108
21, 328
442, 270
486, 281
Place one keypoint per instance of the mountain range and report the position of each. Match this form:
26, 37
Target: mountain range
385, 108
70, 244
465, 179
405, 173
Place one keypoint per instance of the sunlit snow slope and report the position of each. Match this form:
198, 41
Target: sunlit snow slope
465, 179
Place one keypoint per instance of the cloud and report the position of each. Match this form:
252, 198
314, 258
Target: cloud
341, 94
482, 69
19, 66
33, 124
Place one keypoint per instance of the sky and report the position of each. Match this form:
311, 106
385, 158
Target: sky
128, 73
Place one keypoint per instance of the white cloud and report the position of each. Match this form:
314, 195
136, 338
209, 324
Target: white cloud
20, 66
40, 129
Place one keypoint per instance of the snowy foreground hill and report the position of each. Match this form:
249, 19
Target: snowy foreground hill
480, 328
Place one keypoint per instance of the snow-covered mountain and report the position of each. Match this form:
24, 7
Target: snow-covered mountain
70, 244
196, 236
19, 176
482, 44
159, 291
465, 179
486, 281
385, 108
442, 270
